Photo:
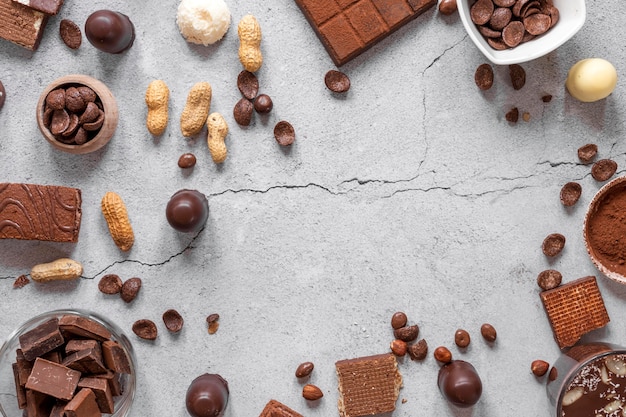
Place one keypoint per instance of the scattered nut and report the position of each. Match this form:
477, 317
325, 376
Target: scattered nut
570, 193
553, 375
447, 7
419, 350
311, 392
443, 354
116, 216
248, 84
157, 100
546, 98
212, 321
603, 169
488, 332
518, 76
549, 279
337, 81
512, 115
284, 133
399, 319
187, 160
249, 32
110, 284
21, 281
304, 369
483, 77
587, 152
145, 329
173, 320
526, 116
553, 244
462, 338
196, 109
218, 129
398, 347
539, 367
130, 289
407, 333
263, 104
62, 269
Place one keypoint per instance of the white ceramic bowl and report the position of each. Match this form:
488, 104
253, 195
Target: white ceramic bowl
572, 17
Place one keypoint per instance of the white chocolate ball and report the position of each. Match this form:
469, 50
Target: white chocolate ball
591, 79
203, 22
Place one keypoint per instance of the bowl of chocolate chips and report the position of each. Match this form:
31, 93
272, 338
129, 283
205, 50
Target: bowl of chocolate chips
77, 114
67, 362
514, 31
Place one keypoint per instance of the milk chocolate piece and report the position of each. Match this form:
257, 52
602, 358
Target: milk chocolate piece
53, 379
88, 361
113, 379
58, 410
21, 25
83, 327
20, 392
102, 390
277, 409
24, 367
348, 28
83, 405
45, 6
39, 212
207, 396
76, 345
42, 339
38, 404
459, 382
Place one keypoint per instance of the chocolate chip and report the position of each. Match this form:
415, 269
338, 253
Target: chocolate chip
447, 7
56, 99
483, 77
603, 169
80, 137
587, 152
481, 11
173, 320
462, 338
72, 127
74, 101
488, 332
284, 133
570, 193
130, 289
504, 3
549, 279
263, 104
512, 115
70, 34
553, 244
110, 284
546, 98
96, 124
500, 18
497, 44
91, 113
487, 32
87, 93
518, 76
187, 160
337, 81
242, 112
407, 333
419, 350
248, 84
399, 319
146, 329
513, 33
537, 24
3, 95
60, 121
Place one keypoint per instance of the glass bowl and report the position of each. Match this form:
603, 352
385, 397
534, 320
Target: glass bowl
8, 399
572, 15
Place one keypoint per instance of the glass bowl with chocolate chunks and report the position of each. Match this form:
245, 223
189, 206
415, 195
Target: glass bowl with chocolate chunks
77, 114
514, 31
67, 362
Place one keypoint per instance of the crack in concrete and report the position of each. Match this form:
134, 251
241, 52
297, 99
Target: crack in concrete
273, 187
437, 58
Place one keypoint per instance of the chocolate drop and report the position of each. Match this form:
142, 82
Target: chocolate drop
110, 31
207, 396
459, 382
187, 210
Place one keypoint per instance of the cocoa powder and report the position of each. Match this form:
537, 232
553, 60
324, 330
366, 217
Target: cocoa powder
606, 229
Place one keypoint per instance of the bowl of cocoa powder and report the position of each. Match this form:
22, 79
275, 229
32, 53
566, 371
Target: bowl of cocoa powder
77, 114
604, 230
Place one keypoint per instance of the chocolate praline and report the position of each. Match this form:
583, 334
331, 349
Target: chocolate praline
207, 396
110, 31
187, 210
459, 382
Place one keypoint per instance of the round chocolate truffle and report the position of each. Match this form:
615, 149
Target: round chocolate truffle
187, 210
110, 31
207, 396
459, 382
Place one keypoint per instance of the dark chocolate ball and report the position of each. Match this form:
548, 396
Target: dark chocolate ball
110, 31
207, 396
263, 104
187, 210
459, 382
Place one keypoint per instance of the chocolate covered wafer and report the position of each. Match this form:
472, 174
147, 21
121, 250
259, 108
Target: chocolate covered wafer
44, 6
574, 309
368, 385
21, 25
277, 409
348, 28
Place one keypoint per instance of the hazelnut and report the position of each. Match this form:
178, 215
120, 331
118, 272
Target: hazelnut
443, 354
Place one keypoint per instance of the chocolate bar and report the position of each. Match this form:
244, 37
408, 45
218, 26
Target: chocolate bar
44, 6
102, 390
87, 361
277, 409
41, 340
21, 25
39, 212
115, 357
348, 28
83, 405
83, 327
55, 380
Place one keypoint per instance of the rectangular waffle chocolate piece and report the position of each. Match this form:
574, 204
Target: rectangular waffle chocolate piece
574, 309
39, 212
278, 409
44, 6
348, 28
21, 24
368, 386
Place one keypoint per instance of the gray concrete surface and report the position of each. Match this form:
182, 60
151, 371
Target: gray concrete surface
410, 193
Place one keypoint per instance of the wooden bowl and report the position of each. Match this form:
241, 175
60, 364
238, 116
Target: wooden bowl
109, 106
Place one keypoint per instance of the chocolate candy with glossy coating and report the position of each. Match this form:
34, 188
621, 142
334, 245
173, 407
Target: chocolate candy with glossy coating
459, 382
187, 210
110, 31
207, 396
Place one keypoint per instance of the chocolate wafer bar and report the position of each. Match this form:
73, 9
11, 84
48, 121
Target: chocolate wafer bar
368, 386
44, 6
348, 28
21, 24
278, 409
39, 212
574, 309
